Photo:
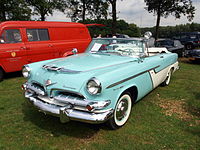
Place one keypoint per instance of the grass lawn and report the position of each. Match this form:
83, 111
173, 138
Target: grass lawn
168, 118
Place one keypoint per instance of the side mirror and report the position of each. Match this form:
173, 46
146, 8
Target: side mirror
147, 35
74, 51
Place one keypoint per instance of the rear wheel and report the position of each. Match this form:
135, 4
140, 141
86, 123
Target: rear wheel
168, 78
1, 74
189, 46
122, 111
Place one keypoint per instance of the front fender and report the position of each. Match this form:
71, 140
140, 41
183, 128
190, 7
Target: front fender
143, 83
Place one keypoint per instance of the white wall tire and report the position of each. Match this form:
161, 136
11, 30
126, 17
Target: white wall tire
168, 78
122, 111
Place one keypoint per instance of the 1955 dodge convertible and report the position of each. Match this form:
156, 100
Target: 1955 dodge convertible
100, 85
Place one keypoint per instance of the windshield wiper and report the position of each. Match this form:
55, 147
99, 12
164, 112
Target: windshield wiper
99, 52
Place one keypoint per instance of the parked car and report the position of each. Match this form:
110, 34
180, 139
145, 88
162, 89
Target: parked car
100, 85
122, 36
23, 42
194, 55
190, 40
173, 46
117, 35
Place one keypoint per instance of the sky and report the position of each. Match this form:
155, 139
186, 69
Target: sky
133, 11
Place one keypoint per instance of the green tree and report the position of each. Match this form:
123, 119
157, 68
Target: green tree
44, 8
164, 8
171, 31
14, 10
79, 9
83, 9
100, 9
122, 28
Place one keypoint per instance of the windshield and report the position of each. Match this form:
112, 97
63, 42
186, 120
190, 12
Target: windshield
123, 47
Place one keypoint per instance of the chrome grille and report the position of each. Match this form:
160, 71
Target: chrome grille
36, 88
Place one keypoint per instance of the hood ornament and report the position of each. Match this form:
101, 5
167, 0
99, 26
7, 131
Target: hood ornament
49, 82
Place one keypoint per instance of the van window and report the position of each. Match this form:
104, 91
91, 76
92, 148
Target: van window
11, 36
37, 34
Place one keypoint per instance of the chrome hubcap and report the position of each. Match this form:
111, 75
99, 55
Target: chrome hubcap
121, 110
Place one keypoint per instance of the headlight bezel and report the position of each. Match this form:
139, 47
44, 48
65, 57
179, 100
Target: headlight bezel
96, 84
26, 71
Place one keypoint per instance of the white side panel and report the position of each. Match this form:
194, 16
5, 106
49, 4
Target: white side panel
159, 77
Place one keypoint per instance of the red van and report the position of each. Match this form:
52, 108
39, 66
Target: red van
23, 42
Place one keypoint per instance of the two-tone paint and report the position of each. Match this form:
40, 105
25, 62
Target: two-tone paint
115, 73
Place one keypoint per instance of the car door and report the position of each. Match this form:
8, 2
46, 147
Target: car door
12, 49
160, 68
38, 44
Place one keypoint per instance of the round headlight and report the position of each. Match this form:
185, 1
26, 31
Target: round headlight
94, 86
26, 71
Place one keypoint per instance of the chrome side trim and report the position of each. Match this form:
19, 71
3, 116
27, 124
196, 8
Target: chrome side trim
129, 78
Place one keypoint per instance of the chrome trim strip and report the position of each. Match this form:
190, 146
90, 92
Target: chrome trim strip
129, 78
164, 68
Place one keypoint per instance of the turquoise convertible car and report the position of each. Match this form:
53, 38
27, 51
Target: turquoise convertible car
100, 85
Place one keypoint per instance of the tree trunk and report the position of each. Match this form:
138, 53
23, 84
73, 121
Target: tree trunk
157, 27
84, 9
114, 16
3, 13
42, 17
158, 22
3, 16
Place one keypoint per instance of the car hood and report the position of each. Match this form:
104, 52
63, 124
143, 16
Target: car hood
73, 72
87, 62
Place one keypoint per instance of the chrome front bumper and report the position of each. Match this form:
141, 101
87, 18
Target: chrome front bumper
68, 112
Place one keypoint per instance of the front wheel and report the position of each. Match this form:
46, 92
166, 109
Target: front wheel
122, 111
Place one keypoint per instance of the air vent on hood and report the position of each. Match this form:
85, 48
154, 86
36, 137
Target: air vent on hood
60, 69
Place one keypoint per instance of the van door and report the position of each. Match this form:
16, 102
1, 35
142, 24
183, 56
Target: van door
12, 50
39, 46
